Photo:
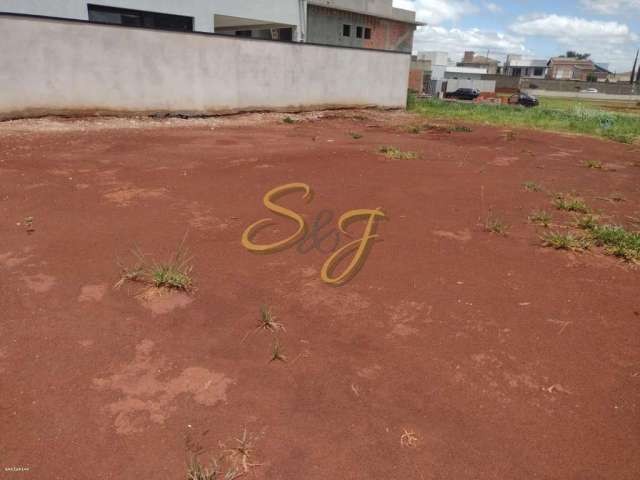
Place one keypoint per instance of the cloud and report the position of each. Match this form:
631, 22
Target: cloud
435, 12
456, 41
492, 7
612, 7
607, 41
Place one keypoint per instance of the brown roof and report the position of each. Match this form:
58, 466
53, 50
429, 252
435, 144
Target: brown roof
570, 61
481, 59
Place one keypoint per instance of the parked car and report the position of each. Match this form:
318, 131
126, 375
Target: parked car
464, 94
524, 99
589, 90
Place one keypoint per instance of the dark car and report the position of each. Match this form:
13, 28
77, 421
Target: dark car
464, 94
524, 100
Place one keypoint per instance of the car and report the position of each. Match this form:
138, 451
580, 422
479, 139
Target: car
589, 90
464, 94
524, 99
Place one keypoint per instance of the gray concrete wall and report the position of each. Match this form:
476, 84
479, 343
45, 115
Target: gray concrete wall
585, 96
575, 86
57, 66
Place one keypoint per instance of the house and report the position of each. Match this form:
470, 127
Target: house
360, 23
279, 20
623, 77
472, 60
564, 68
519, 66
349, 23
446, 76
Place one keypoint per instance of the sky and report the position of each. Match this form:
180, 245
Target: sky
607, 29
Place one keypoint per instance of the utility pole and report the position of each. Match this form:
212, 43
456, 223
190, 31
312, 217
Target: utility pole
633, 78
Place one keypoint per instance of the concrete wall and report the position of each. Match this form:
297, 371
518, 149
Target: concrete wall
585, 96
576, 86
270, 11
57, 66
324, 26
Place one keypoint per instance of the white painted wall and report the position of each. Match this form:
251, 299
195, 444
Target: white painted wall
53, 66
271, 11
485, 86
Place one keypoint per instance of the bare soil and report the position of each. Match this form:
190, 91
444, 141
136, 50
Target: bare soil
453, 354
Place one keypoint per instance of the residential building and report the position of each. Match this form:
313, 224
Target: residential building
520, 66
278, 20
623, 77
565, 68
472, 60
360, 23
446, 76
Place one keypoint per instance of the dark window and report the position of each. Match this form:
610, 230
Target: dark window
243, 33
538, 71
346, 30
137, 18
359, 32
367, 34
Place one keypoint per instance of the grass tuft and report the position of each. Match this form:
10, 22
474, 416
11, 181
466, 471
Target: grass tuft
564, 241
497, 226
277, 352
617, 241
397, 154
541, 217
288, 120
355, 135
175, 274
569, 203
593, 164
530, 186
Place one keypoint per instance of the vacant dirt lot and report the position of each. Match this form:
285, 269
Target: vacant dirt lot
454, 354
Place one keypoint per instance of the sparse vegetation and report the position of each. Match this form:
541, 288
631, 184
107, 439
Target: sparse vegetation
564, 241
233, 463
494, 225
175, 274
617, 241
28, 222
277, 352
397, 154
570, 203
586, 222
355, 135
541, 217
288, 120
593, 164
461, 129
530, 186
415, 129
567, 117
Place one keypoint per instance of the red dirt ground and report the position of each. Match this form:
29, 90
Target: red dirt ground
504, 360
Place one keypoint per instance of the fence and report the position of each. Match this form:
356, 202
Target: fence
54, 66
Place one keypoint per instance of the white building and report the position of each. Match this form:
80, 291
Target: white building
519, 66
275, 19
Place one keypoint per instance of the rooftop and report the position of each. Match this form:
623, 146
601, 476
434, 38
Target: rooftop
380, 9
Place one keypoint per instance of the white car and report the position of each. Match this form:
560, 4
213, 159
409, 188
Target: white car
589, 90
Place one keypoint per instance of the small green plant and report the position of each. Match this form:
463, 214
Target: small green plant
288, 120
587, 222
541, 217
397, 154
174, 274
355, 135
461, 128
231, 464
267, 322
617, 241
277, 352
564, 241
415, 129
497, 226
569, 203
593, 164
510, 136
530, 186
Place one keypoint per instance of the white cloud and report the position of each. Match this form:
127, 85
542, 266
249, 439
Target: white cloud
492, 7
435, 12
612, 7
456, 41
607, 41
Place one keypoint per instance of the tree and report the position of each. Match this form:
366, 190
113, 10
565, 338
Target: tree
576, 55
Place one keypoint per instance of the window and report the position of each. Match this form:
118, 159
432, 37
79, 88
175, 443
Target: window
243, 33
359, 32
367, 34
538, 72
137, 18
346, 30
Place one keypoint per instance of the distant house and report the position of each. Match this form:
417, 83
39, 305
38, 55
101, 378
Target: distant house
471, 60
519, 66
563, 68
624, 77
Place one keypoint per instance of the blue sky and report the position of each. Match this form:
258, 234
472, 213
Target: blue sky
608, 29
